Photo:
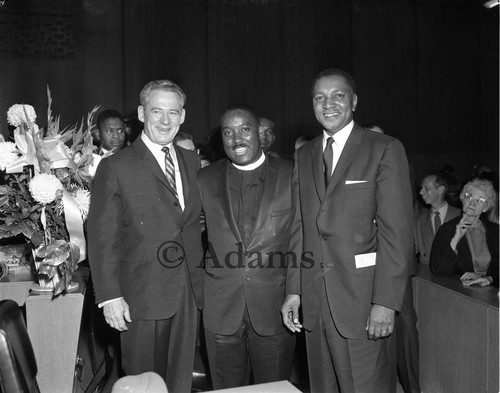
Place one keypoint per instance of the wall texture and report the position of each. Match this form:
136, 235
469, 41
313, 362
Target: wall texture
427, 71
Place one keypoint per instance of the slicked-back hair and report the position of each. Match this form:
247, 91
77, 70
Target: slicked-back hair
439, 181
335, 72
108, 114
162, 84
241, 107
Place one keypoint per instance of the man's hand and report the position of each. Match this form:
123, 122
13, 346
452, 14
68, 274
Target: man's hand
380, 323
290, 313
116, 313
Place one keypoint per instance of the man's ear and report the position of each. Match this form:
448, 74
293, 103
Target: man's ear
183, 115
140, 113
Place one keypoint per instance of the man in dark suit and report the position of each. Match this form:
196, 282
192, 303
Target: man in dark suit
427, 223
354, 203
248, 207
144, 242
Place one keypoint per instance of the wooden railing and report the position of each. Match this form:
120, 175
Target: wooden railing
458, 330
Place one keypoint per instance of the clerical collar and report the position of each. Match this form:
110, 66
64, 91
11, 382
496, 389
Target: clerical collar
251, 167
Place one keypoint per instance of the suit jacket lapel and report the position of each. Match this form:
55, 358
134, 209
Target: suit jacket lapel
184, 171
348, 153
223, 188
270, 182
149, 161
317, 166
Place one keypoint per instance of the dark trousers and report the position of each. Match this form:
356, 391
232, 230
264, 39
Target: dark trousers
165, 346
232, 359
341, 365
407, 343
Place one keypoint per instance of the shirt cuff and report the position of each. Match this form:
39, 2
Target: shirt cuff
101, 305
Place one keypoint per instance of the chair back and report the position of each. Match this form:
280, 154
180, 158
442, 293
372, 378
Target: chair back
17, 360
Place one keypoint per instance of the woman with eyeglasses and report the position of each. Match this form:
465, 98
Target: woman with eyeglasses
468, 245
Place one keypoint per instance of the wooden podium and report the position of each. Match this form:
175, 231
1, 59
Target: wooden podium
54, 330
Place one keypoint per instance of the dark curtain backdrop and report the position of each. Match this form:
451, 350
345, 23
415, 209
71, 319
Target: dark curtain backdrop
427, 70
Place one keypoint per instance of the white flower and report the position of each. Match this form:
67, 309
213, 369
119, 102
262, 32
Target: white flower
16, 115
82, 198
44, 188
7, 154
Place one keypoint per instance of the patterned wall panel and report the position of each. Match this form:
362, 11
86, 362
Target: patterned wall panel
37, 35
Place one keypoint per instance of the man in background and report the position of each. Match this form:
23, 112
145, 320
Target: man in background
145, 245
110, 133
266, 135
428, 222
110, 136
186, 141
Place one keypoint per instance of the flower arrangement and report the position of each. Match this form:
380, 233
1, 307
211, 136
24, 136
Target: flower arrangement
45, 192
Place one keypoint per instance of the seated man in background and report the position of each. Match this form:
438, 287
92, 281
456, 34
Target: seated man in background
427, 223
266, 135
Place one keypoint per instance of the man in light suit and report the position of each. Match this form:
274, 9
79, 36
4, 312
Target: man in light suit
248, 207
144, 242
354, 204
427, 223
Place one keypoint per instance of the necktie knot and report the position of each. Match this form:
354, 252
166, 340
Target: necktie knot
165, 150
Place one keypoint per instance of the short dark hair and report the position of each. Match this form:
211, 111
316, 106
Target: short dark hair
335, 72
439, 181
241, 107
183, 136
108, 114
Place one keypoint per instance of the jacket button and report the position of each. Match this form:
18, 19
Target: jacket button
180, 258
247, 278
176, 204
324, 237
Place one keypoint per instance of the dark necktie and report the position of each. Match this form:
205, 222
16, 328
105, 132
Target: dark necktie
169, 168
328, 159
437, 221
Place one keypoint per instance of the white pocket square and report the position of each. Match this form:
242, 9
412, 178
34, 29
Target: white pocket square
355, 181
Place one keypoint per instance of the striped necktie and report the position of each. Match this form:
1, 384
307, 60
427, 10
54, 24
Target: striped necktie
169, 168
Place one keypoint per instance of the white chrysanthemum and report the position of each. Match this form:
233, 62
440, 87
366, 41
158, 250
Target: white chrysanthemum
7, 154
16, 115
44, 188
82, 198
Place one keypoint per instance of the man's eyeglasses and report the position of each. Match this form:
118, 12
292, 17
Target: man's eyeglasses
478, 201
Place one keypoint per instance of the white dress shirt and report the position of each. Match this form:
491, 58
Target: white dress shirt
339, 141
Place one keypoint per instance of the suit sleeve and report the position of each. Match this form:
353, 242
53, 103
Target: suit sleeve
295, 255
104, 233
394, 218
